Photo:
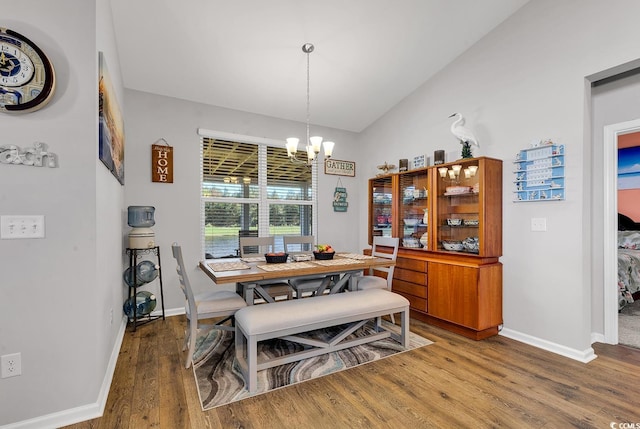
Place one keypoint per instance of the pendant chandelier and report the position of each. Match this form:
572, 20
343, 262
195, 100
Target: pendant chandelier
313, 143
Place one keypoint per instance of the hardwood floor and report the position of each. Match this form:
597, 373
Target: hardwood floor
454, 383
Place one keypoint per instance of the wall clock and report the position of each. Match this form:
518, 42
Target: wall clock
27, 78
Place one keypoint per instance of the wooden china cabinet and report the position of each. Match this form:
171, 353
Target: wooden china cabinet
449, 221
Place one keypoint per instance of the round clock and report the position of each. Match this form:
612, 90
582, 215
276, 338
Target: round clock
27, 79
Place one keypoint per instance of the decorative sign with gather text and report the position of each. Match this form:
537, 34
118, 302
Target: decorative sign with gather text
161, 163
340, 168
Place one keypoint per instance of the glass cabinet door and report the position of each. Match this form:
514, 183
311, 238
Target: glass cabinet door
380, 211
413, 216
458, 214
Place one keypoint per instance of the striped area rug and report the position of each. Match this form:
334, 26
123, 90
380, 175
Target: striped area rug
220, 382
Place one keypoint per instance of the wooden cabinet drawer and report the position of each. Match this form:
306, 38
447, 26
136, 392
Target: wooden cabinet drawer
414, 301
410, 288
411, 264
410, 276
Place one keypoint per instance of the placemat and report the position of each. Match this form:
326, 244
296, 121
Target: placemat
355, 256
253, 259
336, 262
228, 266
282, 267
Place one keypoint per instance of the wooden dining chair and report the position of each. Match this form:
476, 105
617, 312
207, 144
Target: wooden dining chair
302, 244
372, 281
298, 243
206, 305
258, 246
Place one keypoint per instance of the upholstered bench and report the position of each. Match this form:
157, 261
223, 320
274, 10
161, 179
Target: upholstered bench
285, 319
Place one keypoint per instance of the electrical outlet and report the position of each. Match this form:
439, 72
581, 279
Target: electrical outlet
11, 365
538, 224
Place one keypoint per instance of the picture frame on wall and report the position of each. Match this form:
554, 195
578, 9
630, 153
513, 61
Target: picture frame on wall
111, 124
629, 168
338, 167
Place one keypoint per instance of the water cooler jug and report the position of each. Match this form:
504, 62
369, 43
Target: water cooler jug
140, 218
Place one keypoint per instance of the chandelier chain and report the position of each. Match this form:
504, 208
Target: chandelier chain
308, 98
312, 148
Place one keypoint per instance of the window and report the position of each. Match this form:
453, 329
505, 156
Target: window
250, 188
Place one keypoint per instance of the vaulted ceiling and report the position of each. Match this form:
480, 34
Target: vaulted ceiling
246, 54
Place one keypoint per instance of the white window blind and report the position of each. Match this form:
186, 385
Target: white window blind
252, 189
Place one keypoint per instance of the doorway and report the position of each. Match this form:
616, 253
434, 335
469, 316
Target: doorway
610, 216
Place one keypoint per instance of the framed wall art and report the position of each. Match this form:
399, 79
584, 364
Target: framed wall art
111, 125
340, 168
629, 168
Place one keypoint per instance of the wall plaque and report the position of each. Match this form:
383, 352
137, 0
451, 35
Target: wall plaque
161, 163
340, 203
35, 156
340, 168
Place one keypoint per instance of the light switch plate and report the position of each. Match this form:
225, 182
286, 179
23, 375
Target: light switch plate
17, 227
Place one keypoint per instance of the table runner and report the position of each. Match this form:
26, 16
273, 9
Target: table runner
286, 266
229, 266
337, 262
355, 256
254, 259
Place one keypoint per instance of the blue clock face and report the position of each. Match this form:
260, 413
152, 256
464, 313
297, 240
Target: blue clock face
27, 79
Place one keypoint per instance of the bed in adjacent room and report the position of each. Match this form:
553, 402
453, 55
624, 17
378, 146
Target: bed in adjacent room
628, 261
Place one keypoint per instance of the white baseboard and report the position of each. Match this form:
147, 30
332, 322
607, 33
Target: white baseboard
96, 409
583, 356
169, 312
84, 412
598, 338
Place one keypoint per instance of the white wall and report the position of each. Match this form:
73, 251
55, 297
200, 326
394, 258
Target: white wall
151, 117
56, 293
526, 80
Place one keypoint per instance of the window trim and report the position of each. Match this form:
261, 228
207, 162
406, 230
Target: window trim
263, 201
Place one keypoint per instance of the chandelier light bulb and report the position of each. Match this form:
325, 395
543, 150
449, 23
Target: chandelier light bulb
328, 149
316, 142
311, 155
292, 146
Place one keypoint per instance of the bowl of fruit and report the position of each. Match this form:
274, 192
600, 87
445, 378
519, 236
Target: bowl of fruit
324, 252
276, 258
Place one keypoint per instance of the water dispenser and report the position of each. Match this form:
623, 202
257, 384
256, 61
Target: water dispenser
140, 218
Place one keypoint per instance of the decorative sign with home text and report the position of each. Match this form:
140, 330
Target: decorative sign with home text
340, 168
161, 163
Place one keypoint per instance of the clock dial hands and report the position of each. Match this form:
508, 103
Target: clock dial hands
7, 64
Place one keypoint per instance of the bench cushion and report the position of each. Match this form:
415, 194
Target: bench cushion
261, 319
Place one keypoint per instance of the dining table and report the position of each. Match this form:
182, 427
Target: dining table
250, 274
